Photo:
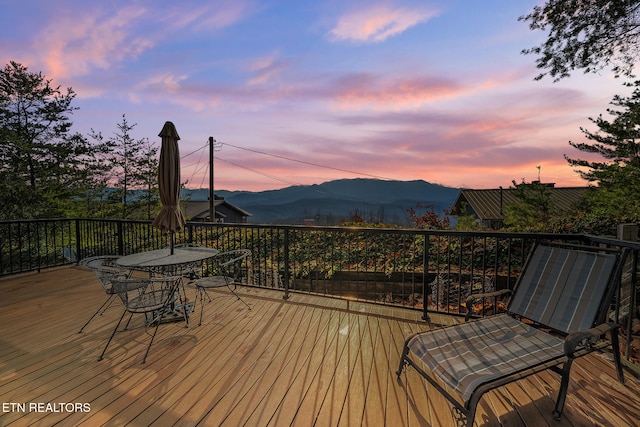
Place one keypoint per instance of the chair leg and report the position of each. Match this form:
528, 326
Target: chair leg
104, 305
615, 344
564, 386
470, 408
186, 314
155, 331
403, 360
110, 301
128, 321
201, 293
238, 296
185, 311
144, 359
112, 335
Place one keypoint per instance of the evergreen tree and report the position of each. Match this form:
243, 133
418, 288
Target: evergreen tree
617, 174
43, 165
534, 209
587, 35
130, 171
147, 176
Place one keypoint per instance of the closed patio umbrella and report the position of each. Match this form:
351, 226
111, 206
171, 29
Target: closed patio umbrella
170, 217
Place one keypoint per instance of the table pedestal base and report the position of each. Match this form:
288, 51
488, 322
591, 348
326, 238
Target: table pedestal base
172, 314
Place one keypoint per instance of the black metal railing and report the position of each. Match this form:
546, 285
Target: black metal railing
423, 269
428, 270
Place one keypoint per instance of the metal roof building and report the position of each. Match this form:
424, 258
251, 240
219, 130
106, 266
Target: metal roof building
488, 206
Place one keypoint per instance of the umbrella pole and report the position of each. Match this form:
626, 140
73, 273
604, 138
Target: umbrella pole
173, 241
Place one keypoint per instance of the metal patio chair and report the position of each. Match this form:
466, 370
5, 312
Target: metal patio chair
105, 269
227, 270
152, 296
556, 314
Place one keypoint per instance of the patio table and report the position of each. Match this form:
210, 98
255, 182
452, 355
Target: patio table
184, 260
162, 259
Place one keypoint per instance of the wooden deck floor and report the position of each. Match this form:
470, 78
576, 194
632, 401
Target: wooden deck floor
306, 361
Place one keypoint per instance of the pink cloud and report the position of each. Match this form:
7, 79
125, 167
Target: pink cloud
369, 91
483, 141
266, 69
377, 23
210, 16
365, 91
76, 44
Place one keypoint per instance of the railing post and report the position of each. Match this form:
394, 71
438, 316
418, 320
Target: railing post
78, 241
286, 264
120, 238
425, 278
632, 304
629, 232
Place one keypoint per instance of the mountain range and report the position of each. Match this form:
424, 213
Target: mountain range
330, 203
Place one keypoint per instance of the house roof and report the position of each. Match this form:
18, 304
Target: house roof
490, 204
197, 209
200, 209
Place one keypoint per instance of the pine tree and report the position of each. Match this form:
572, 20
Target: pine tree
617, 142
587, 35
534, 209
130, 170
43, 165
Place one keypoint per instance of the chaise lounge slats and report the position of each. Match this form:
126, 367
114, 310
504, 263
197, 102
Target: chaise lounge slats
565, 289
474, 353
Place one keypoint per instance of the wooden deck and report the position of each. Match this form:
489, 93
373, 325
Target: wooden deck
306, 361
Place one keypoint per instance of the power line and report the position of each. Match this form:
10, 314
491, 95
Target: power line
305, 162
315, 188
255, 171
194, 151
198, 167
204, 175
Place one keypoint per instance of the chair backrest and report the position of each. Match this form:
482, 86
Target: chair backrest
105, 269
565, 288
146, 293
230, 263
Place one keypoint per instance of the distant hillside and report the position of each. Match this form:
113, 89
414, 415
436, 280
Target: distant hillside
328, 203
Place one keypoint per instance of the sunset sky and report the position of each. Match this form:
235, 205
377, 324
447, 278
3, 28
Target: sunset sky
405, 90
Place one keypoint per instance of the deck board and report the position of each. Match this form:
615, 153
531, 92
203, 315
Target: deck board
304, 361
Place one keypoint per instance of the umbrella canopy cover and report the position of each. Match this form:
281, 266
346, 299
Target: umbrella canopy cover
170, 217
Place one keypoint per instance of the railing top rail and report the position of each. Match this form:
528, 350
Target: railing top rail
355, 229
634, 246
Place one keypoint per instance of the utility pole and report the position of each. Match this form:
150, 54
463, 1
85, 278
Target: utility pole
212, 208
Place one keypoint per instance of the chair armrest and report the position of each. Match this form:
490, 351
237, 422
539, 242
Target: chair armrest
471, 298
586, 338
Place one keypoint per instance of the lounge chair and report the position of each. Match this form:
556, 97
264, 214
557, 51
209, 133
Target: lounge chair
556, 314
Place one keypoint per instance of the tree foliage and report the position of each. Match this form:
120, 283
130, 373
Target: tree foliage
466, 220
129, 171
48, 171
587, 35
534, 209
43, 164
425, 217
616, 144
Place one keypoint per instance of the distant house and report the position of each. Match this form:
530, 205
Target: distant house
488, 206
224, 211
